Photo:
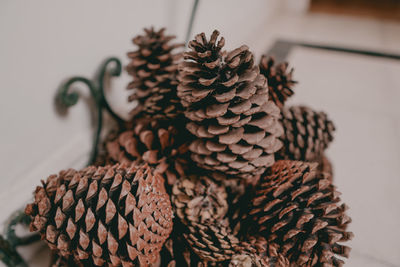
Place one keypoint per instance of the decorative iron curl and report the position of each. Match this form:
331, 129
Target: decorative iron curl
116, 71
96, 88
20, 218
71, 98
8, 245
9, 255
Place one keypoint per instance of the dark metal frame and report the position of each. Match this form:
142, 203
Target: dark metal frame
96, 88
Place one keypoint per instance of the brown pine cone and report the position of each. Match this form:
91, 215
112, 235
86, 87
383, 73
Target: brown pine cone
307, 133
104, 216
226, 101
162, 147
199, 199
212, 241
298, 208
279, 79
153, 68
201, 206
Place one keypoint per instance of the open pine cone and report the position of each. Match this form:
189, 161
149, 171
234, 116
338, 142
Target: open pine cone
279, 78
153, 68
307, 133
104, 216
162, 147
199, 199
298, 208
201, 206
226, 101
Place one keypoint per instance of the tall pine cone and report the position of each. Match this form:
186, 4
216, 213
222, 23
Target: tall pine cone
154, 68
298, 208
162, 147
104, 216
307, 133
279, 78
226, 100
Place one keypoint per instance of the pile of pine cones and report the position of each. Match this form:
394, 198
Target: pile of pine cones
213, 170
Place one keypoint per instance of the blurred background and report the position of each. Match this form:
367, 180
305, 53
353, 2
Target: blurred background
356, 81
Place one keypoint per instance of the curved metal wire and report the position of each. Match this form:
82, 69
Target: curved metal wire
70, 99
116, 71
96, 88
20, 218
8, 252
9, 255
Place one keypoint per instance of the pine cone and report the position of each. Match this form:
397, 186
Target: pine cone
104, 216
201, 206
307, 133
154, 68
226, 100
279, 79
212, 242
199, 199
298, 208
162, 147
